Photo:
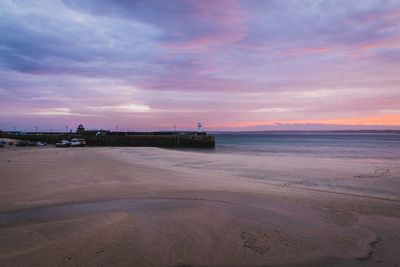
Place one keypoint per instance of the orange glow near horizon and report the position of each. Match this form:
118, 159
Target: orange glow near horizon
388, 120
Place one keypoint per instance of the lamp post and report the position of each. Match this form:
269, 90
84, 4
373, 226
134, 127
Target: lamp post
199, 128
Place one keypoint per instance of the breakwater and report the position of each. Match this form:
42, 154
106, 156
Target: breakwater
105, 138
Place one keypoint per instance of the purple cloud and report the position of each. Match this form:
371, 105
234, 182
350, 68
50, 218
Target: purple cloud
155, 62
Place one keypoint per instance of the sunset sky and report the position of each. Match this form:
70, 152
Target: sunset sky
233, 65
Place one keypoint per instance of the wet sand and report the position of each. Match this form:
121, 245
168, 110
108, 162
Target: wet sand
156, 207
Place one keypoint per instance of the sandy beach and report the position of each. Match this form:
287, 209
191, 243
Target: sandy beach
158, 207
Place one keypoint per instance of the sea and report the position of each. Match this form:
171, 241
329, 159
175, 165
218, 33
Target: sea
314, 144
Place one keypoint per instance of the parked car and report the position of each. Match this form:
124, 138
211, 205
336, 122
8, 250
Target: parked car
78, 142
40, 143
2, 143
21, 143
63, 143
29, 143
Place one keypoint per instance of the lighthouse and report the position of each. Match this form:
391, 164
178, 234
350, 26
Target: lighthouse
199, 128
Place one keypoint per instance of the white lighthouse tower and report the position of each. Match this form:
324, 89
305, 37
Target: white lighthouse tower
199, 128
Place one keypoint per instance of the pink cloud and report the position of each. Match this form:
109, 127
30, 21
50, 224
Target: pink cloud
227, 19
305, 51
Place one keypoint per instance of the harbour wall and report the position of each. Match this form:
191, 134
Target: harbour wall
150, 140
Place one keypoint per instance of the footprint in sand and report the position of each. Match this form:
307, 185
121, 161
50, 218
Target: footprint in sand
378, 172
273, 243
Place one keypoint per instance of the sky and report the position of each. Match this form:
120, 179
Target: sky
230, 64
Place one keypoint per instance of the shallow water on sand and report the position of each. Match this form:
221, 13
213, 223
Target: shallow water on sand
137, 206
